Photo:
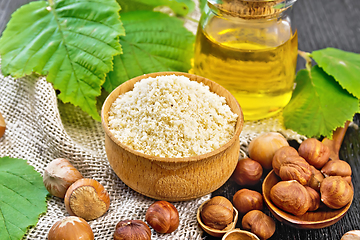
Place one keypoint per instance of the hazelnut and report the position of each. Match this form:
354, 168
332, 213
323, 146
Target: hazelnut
335, 192
247, 172
336, 168
280, 156
316, 178
132, 230
246, 200
294, 168
259, 223
59, 175
71, 228
314, 152
290, 196
87, 198
263, 148
351, 235
163, 217
2, 126
217, 213
314, 199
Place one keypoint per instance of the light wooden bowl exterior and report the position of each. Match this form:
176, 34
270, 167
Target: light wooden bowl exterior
323, 217
212, 231
172, 179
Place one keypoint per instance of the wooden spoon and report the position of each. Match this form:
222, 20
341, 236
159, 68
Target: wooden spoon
335, 143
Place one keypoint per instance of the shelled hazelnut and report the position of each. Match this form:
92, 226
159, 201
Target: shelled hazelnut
315, 152
132, 230
246, 200
259, 223
247, 172
337, 167
87, 198
335, 192
218, 213
314, 199
162, 216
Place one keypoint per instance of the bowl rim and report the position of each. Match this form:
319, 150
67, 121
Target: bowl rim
303, 224
238, 126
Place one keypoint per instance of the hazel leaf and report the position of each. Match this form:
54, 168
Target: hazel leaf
22, 197
71, 41
319, 104
154, 42
343, 66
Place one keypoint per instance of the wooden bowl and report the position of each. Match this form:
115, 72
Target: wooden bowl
238, 234
173, 179
212, 231
323, 217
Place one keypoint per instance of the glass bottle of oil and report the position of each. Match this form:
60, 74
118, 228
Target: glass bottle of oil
250, 48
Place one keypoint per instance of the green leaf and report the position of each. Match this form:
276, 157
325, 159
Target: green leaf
179, 7
71, 41
343, 66
154, 42
202, 5
22, 197
318, 105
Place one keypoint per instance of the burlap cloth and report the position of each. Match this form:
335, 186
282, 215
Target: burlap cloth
40, 128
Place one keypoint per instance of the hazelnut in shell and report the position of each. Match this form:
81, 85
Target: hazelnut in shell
263, 147
218, 213
59, 174
132, 230
336, 192
351, 235
246, 200
2, 126
259, 223
87, 198
290, 196
247, 172
71, 228
315, 152
162, 216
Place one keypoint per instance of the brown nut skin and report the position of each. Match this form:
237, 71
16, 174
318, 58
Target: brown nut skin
316, 178
2, 126
71, 228
314, 152
336, 192
263, 147
87, 198
246, 200
314, 199
217, 213
291, 197
294, 168
247, 172
132, 230
259, 223
58, 176
336, 168
163, 217
281, 155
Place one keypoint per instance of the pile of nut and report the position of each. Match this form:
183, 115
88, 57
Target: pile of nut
307, 176
86, 199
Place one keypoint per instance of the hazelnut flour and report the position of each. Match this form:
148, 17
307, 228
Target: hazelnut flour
171, 116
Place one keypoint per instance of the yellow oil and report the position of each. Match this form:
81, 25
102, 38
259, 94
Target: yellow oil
255, 64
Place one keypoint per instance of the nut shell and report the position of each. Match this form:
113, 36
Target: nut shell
315, 152
163, 217
71, 228
247, 172
246, 200
263, 147
259, 223
87, 198
218, 213
290, 196
336, 192
132, 230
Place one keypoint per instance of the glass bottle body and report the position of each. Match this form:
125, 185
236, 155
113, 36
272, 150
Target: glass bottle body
254, 58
